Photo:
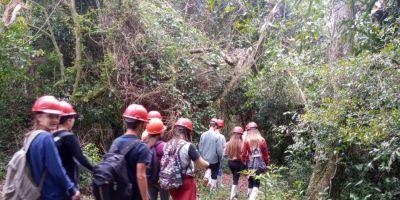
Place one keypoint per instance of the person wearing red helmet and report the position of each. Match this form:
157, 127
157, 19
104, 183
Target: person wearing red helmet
68, 144
44, 160
186, 152
233, 152
211, 151
155, 129
256, 156
135, 118
151, 115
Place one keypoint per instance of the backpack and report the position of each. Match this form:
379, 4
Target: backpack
153, 169
171, 168
58, 136
110, 176
19, 184
256, 160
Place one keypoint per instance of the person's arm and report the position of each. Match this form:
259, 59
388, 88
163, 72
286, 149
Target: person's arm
265, 152
196, 158
142, 179
245, 154
55, 169
76, 151
201, 144
220, 147
143, 160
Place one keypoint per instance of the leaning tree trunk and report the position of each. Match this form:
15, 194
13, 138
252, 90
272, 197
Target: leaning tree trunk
327, 173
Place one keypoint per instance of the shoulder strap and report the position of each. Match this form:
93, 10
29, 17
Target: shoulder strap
30, 136
128, 147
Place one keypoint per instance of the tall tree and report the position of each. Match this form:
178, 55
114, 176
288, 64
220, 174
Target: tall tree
327, 169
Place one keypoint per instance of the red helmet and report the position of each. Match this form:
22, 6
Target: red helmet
238, 129
47, 104
220, 123
155, 127
67, 109
135, 111
185, 122
251, 125
154, 114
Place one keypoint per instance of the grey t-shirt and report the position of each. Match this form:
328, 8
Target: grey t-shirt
188, 154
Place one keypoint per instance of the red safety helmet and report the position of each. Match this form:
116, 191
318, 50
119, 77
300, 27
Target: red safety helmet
185, 122
155, 126
67, 109
238, 129
220, 123
251, 125
47, 104
136, 111
154, 114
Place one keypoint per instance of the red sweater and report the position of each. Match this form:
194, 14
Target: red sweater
264, 150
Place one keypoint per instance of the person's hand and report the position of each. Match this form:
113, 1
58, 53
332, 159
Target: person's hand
76, 196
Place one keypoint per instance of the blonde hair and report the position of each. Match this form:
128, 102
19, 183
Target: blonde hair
234, 146
254, 138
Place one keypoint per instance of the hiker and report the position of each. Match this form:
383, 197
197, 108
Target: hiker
220, 125
255, 155
233, 152
68, 144
179, 150
212, 151
43, 157
151, 115
155, 128
135, 118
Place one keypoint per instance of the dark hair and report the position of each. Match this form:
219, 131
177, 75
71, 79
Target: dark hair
132, 123
63, 119
213, 124
180, 130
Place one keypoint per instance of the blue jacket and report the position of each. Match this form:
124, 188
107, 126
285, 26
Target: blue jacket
43, 155
211, 147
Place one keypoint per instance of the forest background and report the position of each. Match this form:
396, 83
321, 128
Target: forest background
321, 78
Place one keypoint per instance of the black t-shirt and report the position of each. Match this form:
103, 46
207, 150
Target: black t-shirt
71, 154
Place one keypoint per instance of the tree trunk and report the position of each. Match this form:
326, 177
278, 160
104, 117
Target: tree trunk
78, 50
324, 178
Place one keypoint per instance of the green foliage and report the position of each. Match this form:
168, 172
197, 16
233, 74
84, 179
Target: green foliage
94, 155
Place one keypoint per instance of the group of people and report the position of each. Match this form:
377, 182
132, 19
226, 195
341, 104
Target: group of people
54, 154
245, 150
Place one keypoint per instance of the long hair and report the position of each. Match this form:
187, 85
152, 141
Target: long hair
234, 146
254, 138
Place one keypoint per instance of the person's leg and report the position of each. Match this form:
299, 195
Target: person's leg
164, 195
153, 191
214, 174
219, 176
256, 185
250, 185
235, 168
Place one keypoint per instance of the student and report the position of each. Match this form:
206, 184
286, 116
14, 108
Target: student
255, 155
43, 156
233, 152
155, 129
211, 152
68, 144
187, 154
152, 115
135, 118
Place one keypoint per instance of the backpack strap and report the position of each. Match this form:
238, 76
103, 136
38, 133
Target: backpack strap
29, 137
125, 150
60, 134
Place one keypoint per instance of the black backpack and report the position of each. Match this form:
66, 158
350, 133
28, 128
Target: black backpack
153, 168
110, 176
